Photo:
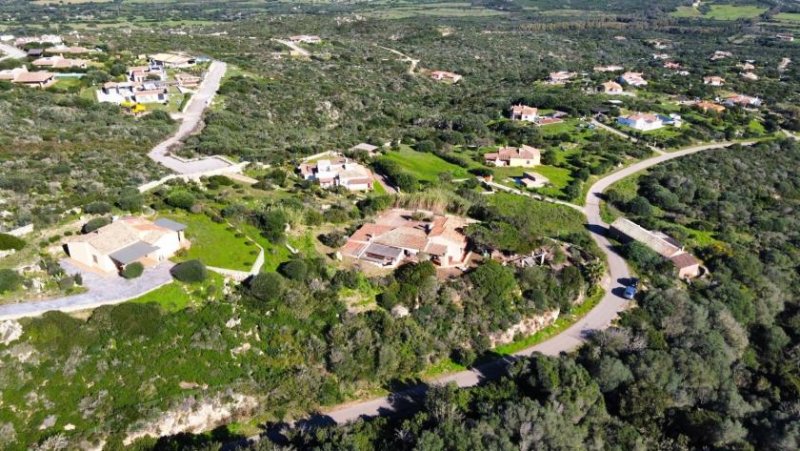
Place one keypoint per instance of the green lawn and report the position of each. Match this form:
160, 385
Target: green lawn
177, 296
215, 244
686, 11
425, 166
789, 17
734, 12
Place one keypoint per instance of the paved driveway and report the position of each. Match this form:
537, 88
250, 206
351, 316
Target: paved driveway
102, 290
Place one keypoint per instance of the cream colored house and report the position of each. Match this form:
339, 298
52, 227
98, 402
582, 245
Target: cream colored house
128, 240
525, 157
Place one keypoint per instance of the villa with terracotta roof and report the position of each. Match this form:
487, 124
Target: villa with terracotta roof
171, 60
127, 240
65, 50
633, 79
57, 62
396, 237
626, 230
742, 100
338, 171
707, 106
525, 157
443, 75
611, 88
39, 79
524, 113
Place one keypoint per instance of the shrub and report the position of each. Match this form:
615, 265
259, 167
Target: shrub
192, 271
294, 269
97, 208
267, 285
9, 280
133, 270
181, 199
95, 224
220, 180
8, 242
334, 239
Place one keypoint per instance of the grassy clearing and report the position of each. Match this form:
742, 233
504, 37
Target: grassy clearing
425, 166
789, 17
734, 12
176, 296
216, 244
686, 11
546, 218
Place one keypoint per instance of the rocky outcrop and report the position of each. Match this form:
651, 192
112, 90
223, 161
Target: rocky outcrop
527, 326
9, 331
194, 416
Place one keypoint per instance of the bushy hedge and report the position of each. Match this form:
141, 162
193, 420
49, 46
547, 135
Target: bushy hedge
192, 271
9, 242
95, 224
181, 199
133, 270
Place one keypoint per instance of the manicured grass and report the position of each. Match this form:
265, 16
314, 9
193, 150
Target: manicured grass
215, 244
425, 166
734, 12
274, 254
378, 188
177, 296
562, 323
686, 11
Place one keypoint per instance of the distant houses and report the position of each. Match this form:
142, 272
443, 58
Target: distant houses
524, 113
338, 171
742, 101
720, 54
749, 76
398, 236
525, 156
713, 80
370, 149
442, 75
633, 79
626, 230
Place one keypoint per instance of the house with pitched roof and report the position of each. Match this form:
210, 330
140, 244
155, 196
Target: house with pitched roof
171, 60
39, 79
611, 88
742, 100
641, 121
127, 240
57, 62
337, 171
633, 79
443, 75
713, 80
525, 157
560, 77
626, 230
524, 113
396, 237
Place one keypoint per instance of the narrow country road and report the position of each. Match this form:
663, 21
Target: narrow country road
190, 119
598, 318
300, 51
11, 52
508, 189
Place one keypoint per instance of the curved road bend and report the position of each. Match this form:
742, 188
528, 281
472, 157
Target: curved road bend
598, 318
191, 118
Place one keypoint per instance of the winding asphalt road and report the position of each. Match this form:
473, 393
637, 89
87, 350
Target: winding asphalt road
190, 119
598, 318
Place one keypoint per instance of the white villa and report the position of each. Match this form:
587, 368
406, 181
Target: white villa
338, 172
641, 121
524, 113
611, 88
525, 157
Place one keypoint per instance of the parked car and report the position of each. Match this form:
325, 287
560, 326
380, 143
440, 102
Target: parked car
630, 292
633, 282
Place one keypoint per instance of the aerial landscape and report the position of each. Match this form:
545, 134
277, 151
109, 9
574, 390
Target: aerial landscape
399, 225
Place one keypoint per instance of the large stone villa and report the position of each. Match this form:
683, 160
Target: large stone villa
127, 240
396, 236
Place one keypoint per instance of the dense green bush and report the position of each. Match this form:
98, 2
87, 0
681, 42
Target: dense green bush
181, 198
192, 271
95, 223
9, 242
296, 269
10, 280
133, 270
